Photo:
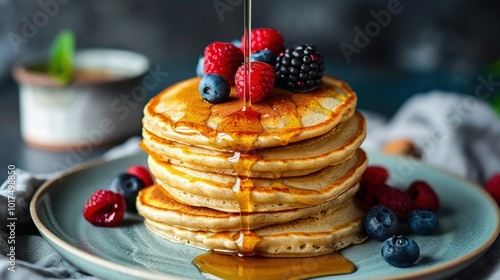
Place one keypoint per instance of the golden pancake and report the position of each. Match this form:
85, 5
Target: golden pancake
157, 205
180, 114
313, 236
294, 159
276, 179
216, 191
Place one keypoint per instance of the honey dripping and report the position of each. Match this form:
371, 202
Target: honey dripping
227, 266
245, 240
242, 264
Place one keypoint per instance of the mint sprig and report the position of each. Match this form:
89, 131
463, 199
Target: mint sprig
61, 57
495, 100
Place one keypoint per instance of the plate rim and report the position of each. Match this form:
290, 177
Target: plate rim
70, 248
472, 256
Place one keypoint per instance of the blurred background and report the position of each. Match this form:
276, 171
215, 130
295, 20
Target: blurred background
387, 50
425, 45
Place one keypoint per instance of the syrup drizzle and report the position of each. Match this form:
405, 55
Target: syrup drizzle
245, 120
247, 36
227, 264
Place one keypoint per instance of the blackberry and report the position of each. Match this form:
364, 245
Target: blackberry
299, 68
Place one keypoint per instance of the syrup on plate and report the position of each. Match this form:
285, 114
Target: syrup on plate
242, 264
232, 267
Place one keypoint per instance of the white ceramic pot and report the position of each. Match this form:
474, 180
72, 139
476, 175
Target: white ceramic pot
103, 104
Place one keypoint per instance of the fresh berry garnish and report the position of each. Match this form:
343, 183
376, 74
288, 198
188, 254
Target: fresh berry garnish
374, 174
223, 59
299, 69
423, 222
214, 88
423, 196
369, 198
129, 186
265, 39
492, 186
200, 72
399, 202
236, 43
104, 208
400, 251
141, 172
266, 56
381, 223
372, 179
261, 80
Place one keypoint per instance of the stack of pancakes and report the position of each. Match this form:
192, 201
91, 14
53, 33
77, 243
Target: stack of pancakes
282, 172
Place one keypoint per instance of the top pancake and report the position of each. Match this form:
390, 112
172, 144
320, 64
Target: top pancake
180, 114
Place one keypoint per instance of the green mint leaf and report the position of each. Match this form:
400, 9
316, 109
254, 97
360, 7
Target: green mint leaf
495, 103
61, 56
495, 68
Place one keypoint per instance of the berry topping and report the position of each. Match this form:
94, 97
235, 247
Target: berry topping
222, 59
236, 43
423, 196
400, 251
423, 222
492, 186
266, 56
199, 67
381, 223
214, 88
369, 198
265, 39
141, 172
129, 186
373, 178
399, 201
374, 174
261, 80
299, 69
104, 208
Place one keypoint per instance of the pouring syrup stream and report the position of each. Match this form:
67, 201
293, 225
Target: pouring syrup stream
245, 239
247, 36
237, 264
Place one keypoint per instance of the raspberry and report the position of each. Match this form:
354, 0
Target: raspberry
373, 178
374, 175
369, 196
261, 80
399, 202
104, 208
265, 39
222, 59
492, 186
141, 172
423, 196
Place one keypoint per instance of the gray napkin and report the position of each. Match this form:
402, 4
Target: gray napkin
34, 257
455, 132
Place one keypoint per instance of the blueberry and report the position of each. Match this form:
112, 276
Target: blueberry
400, 251
381, 223
266, 56
423, 222
236, 43
214, 88
128, 185
200, 72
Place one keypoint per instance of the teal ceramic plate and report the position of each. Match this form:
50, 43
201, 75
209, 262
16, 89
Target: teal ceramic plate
468, 226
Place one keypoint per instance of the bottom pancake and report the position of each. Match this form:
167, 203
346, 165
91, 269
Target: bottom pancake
314, 236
